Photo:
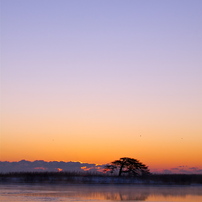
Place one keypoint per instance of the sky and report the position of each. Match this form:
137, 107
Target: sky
94, 81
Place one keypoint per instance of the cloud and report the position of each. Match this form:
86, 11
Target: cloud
167, 171
40, 168
193, 168
54, 166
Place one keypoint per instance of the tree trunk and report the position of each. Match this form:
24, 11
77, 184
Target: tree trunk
120, 170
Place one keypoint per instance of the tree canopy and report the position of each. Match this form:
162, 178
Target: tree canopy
128, 166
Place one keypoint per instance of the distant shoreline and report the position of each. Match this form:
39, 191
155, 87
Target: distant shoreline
94, 178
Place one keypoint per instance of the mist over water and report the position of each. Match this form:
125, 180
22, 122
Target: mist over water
22, 192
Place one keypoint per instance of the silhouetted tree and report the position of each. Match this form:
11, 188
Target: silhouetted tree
128, 165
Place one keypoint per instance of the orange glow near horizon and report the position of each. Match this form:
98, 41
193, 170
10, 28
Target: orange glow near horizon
101, 143
100, 149
59, 169
102, 133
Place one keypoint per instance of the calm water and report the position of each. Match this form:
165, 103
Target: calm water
99, 193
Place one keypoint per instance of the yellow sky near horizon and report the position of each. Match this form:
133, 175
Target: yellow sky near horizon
158, 145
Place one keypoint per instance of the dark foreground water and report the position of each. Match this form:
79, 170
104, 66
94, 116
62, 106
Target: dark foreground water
26, 192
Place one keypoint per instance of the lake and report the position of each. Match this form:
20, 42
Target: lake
44, 192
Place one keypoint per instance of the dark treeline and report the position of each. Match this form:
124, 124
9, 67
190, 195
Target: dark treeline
98, 178
178, 179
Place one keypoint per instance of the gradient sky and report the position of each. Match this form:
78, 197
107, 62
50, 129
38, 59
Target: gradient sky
94, 81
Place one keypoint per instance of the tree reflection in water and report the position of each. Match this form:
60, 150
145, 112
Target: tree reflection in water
114, 193
119, 196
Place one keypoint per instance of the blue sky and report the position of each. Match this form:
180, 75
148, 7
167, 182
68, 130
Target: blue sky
119, 43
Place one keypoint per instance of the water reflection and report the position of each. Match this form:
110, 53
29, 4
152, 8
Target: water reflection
105, 192
114, 193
